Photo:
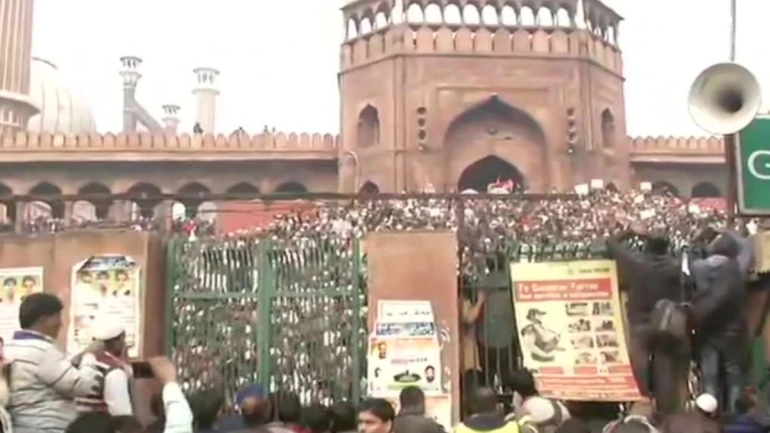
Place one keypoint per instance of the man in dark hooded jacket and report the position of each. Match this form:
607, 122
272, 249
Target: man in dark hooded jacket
719, 314
649, 277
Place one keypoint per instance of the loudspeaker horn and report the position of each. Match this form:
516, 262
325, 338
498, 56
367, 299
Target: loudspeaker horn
724, 98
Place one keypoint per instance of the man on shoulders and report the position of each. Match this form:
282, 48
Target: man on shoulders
114, 397
44, 383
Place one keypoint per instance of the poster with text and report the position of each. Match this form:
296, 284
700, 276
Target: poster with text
17, 284
108, 285
404, 349
571, 329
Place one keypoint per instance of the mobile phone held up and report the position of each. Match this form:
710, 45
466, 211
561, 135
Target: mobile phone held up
142, 370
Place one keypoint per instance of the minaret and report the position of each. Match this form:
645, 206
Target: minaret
15, 56
206, 98
171, 118
130, 73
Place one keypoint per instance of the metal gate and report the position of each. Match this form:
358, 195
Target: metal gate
285, 313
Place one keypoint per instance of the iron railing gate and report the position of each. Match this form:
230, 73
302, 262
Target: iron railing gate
288, 314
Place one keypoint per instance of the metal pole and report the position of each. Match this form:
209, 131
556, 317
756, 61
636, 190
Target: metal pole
733, 27
730, 140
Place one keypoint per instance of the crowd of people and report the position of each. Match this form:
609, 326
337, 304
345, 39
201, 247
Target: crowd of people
311, 348
43, 390
313, 252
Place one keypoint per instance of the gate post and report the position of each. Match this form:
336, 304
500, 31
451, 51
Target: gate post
356, 344
265, 294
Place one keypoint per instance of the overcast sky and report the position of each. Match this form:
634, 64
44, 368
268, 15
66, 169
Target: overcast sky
279, 59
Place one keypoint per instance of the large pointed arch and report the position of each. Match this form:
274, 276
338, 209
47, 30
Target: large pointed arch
480, 174
497, 128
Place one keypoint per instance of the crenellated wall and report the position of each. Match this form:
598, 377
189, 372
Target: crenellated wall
284, 141
676, 145
29, 146
377, 29
526, 42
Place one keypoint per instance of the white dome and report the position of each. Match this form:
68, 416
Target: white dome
61, 110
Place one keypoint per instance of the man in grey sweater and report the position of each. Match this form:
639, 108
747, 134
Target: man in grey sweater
43, 382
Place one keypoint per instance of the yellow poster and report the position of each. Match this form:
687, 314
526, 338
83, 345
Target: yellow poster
571, 329
17, 284
102, 286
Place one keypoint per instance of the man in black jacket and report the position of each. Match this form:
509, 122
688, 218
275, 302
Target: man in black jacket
720, 317
649, 277
411, 417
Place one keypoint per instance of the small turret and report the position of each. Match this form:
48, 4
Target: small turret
171, 118
206, 93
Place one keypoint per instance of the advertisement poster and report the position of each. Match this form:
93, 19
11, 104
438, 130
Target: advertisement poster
17, 284
108, 285
571, 328
404, 350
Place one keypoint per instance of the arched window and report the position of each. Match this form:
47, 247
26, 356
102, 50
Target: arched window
368, 127
291, 188
194, 193
50, 192
146, 197
608, 129
101, 206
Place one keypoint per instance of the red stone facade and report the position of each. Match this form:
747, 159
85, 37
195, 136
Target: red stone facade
445, 94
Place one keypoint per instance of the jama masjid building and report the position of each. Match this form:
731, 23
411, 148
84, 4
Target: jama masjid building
448, 93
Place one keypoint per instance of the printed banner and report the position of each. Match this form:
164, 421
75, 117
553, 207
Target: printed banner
405, 350
570, 321
17, 284
102, 286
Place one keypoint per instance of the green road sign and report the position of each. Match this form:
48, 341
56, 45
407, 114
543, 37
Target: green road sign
753, 159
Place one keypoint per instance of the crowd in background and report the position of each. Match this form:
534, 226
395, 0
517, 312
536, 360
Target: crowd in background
515, 226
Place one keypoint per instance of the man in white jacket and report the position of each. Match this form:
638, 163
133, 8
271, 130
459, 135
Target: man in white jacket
43, 382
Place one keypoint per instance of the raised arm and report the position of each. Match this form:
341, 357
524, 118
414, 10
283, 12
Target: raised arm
58, 372
179, 417
627, 260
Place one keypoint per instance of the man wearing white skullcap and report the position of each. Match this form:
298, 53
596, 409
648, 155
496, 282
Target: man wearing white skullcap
704, 419
543, 413
115, 396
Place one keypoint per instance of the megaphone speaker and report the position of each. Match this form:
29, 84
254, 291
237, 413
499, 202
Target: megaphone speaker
724, 98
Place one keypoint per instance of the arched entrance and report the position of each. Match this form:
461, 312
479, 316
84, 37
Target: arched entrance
663, 187
486, 171
705, 190
503, 139
369, 188
291, 188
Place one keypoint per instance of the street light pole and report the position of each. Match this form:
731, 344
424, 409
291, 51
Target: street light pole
730, 139
733, 27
